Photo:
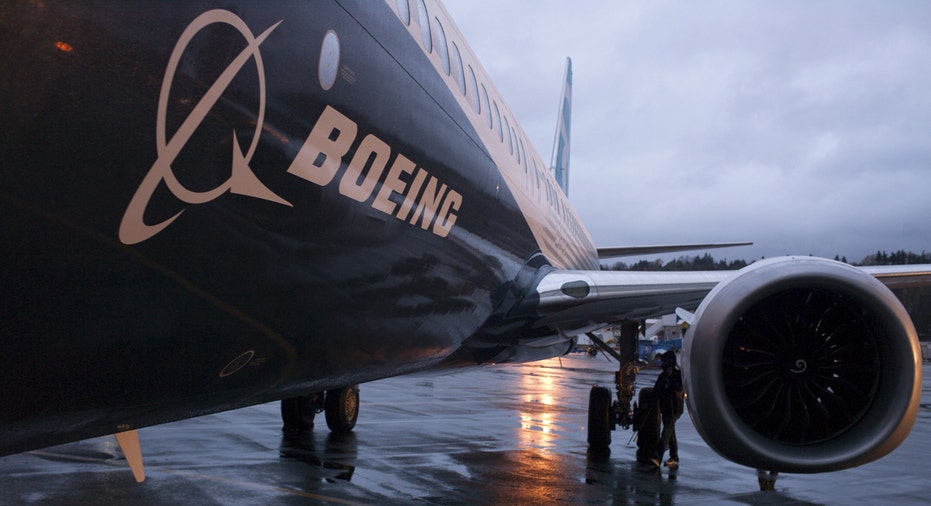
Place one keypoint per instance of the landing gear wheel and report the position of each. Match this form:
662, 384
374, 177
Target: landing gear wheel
647, 422
298, 413
599, 418
342, 409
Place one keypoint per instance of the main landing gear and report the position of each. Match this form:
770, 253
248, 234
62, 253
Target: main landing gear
605, 415
341, 407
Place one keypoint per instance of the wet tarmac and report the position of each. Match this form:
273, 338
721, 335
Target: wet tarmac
497, 435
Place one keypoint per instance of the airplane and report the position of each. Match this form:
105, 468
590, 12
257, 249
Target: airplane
211, 205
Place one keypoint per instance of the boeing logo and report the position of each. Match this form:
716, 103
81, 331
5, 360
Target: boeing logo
242, 180
321, 156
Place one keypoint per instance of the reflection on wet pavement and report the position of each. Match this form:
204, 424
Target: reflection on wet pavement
496, 435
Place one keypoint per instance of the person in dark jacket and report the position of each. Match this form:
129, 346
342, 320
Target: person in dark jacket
670, 395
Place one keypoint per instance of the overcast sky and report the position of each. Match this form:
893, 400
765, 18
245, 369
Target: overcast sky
804, 127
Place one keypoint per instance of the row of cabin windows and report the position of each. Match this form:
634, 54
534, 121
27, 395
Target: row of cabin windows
515, 143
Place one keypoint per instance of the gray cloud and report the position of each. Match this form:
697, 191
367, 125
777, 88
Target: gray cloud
801, 126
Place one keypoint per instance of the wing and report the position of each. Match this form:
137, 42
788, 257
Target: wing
575, 302
667, 248
901, 276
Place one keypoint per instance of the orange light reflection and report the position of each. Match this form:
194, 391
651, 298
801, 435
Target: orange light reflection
538, 416
539, 429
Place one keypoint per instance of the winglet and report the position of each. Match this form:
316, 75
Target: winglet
559, 162
129, 443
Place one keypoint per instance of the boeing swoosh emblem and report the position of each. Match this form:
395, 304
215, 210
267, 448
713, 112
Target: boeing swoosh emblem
243, 180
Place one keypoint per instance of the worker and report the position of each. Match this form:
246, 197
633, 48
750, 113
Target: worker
670, 395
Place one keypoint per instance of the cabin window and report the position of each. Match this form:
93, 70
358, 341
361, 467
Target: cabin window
520, 147
507, 128
424, 26
474, 82
498, 119
404, 10
460, 74
441, 45
486, 106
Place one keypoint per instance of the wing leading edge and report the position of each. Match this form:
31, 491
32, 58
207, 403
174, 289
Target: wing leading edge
574, 302
666, 248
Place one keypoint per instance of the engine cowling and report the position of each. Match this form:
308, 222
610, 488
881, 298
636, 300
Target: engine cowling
802, 365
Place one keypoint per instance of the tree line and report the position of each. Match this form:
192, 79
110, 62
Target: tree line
684, 263
917, 301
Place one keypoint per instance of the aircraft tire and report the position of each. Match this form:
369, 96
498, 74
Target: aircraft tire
297, 413
599, 418
342, 409
647, 425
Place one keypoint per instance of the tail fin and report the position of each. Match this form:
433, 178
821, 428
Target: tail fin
559, 163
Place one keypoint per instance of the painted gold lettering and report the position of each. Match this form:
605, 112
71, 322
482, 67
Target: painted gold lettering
447, 217
393, 184
411, 197
322, 152
371, 149
426, 207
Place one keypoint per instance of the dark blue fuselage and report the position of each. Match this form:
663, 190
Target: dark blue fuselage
274, 280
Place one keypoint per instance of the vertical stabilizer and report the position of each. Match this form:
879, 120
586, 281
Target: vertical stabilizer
559, 163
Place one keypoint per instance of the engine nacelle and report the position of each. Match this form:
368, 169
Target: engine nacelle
802, 365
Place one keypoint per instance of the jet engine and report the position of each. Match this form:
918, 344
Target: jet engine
802, 365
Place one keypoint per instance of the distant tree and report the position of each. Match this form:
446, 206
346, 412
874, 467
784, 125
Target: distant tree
900, 257
646, 265
704, 262
917, 301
